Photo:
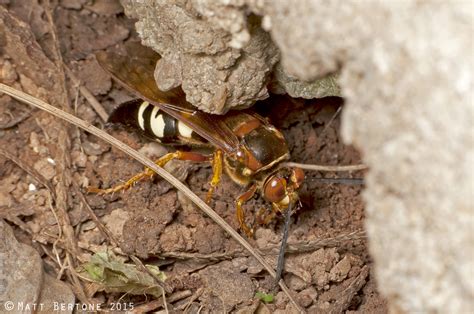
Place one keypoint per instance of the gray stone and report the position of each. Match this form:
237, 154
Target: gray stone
21, 273
222, 279
24, 287
217, 71
406, 74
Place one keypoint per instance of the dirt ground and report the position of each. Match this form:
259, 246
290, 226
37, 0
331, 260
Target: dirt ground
328, 269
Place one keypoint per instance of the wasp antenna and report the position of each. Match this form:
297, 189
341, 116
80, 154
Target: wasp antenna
284, 239
179, 108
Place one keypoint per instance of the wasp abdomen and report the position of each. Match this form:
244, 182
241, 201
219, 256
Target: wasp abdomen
154, 123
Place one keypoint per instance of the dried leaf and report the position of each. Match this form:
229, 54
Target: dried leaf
116, 276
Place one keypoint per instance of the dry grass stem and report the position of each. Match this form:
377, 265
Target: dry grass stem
326, 168
95, 104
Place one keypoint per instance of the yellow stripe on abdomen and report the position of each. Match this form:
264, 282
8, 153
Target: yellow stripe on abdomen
141, 110
184, 130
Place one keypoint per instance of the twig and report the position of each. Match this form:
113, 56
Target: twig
271, 249
346, 181
145, 269
203, 258
311, 246
325, 168
30, 170
153, 305
15, 121
11, 213
193, 298
95, 104
348, 294
163, 297
76, 283
150, 164
106, 232
331, 120
53, 263
63, 158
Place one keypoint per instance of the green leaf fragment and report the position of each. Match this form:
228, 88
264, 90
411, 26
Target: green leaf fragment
267, 298
113, 275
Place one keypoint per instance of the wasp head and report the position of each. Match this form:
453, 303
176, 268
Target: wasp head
280, 188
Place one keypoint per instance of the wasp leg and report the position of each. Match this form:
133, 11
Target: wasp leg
241, 212
216, 173
264, 218
148, 173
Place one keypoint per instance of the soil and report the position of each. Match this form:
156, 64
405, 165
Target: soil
206, 270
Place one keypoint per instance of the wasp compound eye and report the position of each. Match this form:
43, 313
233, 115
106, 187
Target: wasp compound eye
275, 189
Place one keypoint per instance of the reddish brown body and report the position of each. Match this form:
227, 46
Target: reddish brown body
247, 146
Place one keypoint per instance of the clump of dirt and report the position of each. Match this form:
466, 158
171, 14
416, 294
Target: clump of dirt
327, 266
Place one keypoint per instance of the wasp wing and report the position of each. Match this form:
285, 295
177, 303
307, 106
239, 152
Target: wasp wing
136, 73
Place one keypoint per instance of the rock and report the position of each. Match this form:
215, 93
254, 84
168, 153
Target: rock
400, 72
72, 4
54, 292
115, 221
105, 7
284, 83
21, 270
24, 287
339, 272
177, 238
318, 264
219, 68
141, 233
8, 74
219, 53
254, 267
95, 79
295, 283
209, 238
79, 159
45, 168
222, 279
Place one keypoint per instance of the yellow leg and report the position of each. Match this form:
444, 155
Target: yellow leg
216, 174
148, 173
263, 218
240, 211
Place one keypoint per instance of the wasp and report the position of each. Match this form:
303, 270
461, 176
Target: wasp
246, 146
